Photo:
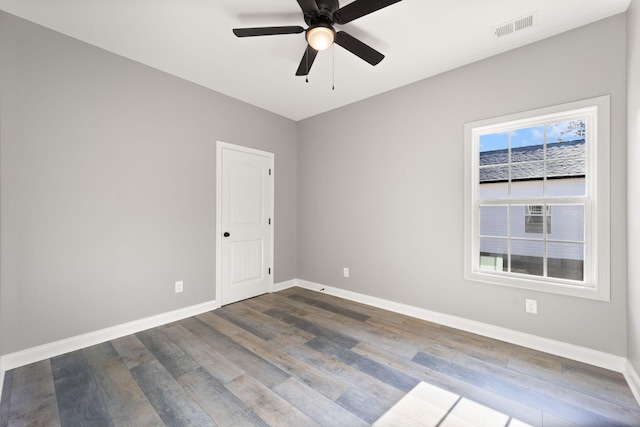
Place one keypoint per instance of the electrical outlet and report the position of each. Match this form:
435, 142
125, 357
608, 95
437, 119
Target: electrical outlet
179, 285
345, 272
531, 306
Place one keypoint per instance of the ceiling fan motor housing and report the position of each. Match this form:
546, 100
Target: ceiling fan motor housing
324, 16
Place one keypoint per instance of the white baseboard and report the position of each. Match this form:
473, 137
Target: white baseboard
633, 379
46, 351
284, 285
558, 348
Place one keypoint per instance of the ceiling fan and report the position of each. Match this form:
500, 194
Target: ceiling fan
320, 16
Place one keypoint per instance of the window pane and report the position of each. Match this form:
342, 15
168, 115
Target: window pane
568, 168
527, 179
565, 260
527, 171
569, 130
534, 219
520, 217
494, 221
534, 188
494, 149
535, 224
527, 257
566, 187
493, 254
494, 190
568, 221
527, 154
566, 150
494, 174
527, 144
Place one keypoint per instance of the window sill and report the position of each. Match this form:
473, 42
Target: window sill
542, 285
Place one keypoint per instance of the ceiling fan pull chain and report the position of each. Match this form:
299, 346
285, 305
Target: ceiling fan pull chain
333, 77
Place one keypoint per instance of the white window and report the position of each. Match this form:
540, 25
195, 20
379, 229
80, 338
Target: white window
524, 172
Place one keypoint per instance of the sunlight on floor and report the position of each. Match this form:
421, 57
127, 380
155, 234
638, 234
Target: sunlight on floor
428, 405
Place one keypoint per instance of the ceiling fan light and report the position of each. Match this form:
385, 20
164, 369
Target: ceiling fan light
320, 38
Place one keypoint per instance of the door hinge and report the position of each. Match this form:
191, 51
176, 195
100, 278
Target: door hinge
269, 172
269, 270
269, 221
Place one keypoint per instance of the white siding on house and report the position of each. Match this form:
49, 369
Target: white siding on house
564, 223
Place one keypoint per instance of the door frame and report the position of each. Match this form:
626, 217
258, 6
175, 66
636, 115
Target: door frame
220, 145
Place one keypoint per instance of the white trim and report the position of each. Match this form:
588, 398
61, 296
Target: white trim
220, 145
218, 284
281, 286
633, 379
2, 371
558, 348
56, 348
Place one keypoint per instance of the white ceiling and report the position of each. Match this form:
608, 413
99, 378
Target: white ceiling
192, 39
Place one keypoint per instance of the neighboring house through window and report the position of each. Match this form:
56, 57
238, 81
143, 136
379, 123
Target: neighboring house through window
523, 171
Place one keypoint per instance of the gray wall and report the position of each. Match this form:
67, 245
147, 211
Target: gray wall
108, 186
380, 186
633, 182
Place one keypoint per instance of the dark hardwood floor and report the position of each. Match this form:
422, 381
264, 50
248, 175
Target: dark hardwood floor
298, 358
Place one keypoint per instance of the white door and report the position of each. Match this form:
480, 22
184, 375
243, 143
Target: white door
244, 259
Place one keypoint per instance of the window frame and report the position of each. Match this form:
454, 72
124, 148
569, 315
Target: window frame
596, 284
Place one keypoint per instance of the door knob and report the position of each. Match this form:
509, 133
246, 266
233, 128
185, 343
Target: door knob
226, 234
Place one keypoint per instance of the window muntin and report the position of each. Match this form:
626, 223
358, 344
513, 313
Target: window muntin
533, 209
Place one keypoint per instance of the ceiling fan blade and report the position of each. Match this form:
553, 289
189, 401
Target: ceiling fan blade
358, 48
360, 8
308, 6
267, 31
307, 61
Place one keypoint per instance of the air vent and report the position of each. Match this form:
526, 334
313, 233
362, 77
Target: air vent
516, 25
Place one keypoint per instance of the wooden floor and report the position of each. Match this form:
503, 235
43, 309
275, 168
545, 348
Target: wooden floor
298, 358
